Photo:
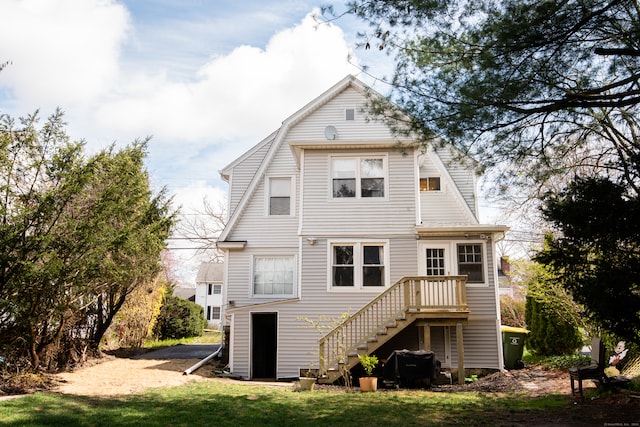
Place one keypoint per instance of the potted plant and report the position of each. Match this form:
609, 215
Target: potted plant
368, 362
306, 382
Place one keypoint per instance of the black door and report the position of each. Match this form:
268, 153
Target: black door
263, 345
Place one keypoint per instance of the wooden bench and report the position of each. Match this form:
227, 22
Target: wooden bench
593, 371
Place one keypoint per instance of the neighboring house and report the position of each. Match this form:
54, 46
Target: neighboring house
331, 214
188, 293
209, 292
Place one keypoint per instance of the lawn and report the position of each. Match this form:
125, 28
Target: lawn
223, 403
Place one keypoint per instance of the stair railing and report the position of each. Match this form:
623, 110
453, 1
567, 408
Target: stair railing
409, 294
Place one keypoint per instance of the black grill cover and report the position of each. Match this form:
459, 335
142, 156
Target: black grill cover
411, 368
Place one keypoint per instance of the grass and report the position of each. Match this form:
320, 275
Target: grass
224, 403
562, 362
209, 337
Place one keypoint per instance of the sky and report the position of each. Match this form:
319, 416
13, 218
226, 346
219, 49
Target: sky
206, 79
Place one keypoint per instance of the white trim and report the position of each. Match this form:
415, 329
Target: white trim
231, 245
358, 265
232, 341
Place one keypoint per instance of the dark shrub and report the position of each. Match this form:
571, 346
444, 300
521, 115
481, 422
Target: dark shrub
550, 334
179, 318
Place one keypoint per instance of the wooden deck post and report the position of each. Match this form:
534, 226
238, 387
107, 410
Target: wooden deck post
460, 353
426, 337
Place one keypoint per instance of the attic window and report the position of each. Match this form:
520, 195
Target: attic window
350, 114
431, 183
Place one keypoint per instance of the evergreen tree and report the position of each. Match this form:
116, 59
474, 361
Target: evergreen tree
550, 334
77, 235
595, 253
532, 89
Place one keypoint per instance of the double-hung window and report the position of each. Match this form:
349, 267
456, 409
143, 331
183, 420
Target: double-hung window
358, 265
273, 276
279, 196
214, 289
213, 312
358, 177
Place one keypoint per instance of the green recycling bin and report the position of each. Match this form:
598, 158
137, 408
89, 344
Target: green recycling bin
513, 346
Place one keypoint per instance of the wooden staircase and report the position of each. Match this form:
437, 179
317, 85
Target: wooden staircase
410, 298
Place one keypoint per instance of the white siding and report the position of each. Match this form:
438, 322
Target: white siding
463, 176
444, 206
260, 229
391, 215
332, 113
243, 173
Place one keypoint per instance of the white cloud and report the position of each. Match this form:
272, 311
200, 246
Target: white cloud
61, 52
244, 94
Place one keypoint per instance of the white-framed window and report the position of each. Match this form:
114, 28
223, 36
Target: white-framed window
359, 177
431, 183
273, 276
214, 289
279, 196
358, 265
213, 312
471, 261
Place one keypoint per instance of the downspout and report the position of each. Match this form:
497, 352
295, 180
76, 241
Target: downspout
205, 360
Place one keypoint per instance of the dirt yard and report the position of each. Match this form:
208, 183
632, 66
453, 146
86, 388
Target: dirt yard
112, 376
136, 375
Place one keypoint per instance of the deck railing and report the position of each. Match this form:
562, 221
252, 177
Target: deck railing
411, 294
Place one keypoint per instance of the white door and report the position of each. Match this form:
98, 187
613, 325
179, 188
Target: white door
434, 259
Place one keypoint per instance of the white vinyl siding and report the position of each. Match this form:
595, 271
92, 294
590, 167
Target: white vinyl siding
243, 172
332, 113
392, 215
441, 206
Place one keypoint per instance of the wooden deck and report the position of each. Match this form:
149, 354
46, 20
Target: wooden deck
439, 299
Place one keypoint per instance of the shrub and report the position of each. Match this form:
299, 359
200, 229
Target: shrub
512, 311
550, 335
136, 320
179, 318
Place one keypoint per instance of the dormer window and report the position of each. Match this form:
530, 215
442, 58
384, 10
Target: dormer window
431, 183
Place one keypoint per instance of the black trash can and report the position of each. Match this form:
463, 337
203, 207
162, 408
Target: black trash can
406, 368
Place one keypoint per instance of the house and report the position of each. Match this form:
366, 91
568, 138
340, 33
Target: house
333, 214
209, 286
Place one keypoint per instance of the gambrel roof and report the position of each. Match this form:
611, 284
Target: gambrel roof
272, 143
